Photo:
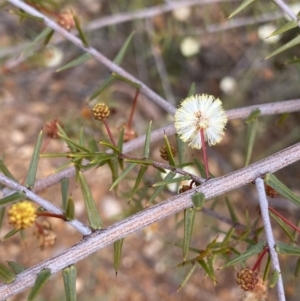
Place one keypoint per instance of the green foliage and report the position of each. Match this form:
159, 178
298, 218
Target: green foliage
31, 174
69, 275
40, 281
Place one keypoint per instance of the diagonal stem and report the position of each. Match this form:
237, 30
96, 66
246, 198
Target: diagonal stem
264, 208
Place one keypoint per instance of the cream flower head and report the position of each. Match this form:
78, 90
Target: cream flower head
200, 112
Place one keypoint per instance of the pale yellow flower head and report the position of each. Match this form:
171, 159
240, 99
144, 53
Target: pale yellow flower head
22, 215
200, 112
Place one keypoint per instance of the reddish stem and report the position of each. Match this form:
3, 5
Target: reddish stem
284, 219
133, 108
260, 257
109, 132
191, 184
49, 214
39, 227
204, 153
45, 144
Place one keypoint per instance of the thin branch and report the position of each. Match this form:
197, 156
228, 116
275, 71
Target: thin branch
234, 23
96, 54
160, 64
264, 208
42, 202
286, 10
101, 238
147, 13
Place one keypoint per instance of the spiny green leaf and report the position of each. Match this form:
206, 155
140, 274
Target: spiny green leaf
274, 278
25, 15
297, 269
285, 249
70, 209
64, 192
147, 141
38, 39
295, 61
93, 146
126, 80
283, 117
2, 215
69, 275
201, 169
121, 140
118, 60
113, 147
252, 124
233, 216
287, 26
241, 7
113, 165
208, 271
74, 146
283, 226
251, 133
139, 161
95, 221
81, 34
187, 277
180, 149
253, 250
170, 181
139, 178
6, 171
272, 181
40, 281
198, 200
267, 268
10, 234
159, 189
6, 274
192, 89
30, 179
48, 37
15, 196
98, 91
253, 116
117, 253
189, 218
16, 267
169, 151
121, 54
103, 158
79, 60
285, 47
228, 236
125, 172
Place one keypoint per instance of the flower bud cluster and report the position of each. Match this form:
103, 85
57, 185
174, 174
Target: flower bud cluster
101, 111
164, 153
247, 279
22, 215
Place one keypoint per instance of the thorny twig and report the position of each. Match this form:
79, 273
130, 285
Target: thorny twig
264, 209
42, 202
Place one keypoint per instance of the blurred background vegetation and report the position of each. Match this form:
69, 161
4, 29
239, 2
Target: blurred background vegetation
169, 52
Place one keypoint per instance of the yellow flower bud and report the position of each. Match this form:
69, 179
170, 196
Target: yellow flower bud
22, 215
